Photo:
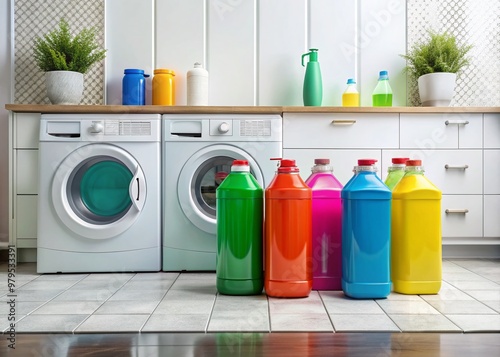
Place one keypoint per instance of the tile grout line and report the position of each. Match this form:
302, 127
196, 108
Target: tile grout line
268, 312
326, 310
389, 316
109, 297
46, 302
159, 302
211, 313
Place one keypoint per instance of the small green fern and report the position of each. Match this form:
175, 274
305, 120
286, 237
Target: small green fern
59, 51
440, 53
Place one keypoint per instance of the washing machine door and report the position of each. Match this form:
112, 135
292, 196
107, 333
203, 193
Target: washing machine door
201, 175
98, 191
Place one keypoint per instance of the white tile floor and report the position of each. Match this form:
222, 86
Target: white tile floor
469, 301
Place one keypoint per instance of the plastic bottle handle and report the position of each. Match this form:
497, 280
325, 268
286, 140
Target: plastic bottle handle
306, 54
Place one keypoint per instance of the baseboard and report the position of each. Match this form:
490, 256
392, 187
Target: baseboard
471, 251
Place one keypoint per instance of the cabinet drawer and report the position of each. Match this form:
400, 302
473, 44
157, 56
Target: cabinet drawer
446, 168
492, 172
27, 130
457, 223
26, 243
26, 216
343, 161
441, 131
492, 131
492, 215
27, 172
339, 131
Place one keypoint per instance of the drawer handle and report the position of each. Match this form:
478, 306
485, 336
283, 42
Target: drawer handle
457, 122
456, 211
343, 122
450, 167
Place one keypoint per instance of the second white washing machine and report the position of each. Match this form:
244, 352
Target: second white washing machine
198, 151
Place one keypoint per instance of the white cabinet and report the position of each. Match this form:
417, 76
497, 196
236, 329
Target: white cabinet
491, 172
342, 161
461, 217
491, 216
341, 137
452, 171
23, 183
441, 131
340, 131
460, 154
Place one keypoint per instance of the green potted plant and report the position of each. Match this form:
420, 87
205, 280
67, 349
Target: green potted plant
435, 63
65, 59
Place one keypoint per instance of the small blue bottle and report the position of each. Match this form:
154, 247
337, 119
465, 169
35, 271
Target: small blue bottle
134, 87
366, 234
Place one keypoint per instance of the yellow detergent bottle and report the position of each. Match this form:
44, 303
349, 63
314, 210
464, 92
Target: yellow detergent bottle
416, 252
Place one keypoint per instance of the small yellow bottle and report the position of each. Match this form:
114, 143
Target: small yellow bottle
350, 98
163, 87
416, 252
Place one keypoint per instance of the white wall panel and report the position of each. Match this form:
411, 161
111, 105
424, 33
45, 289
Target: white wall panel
282, 41
180, 40
130, 43
332, 31
381, 39
231, 52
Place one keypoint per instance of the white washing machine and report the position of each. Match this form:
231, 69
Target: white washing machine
99, 204
198, 151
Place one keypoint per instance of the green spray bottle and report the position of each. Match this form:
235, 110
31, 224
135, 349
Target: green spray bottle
239, 212
313, 85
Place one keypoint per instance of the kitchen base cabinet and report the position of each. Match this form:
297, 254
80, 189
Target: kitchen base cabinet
455, 157
461, 218
342, 161
23, 183
491, 216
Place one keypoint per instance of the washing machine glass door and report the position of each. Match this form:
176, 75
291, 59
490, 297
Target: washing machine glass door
200, 177
98, 191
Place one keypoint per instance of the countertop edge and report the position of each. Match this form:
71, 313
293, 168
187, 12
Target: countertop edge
178, 109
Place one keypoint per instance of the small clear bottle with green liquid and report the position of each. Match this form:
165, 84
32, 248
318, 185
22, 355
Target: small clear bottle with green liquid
382, 94
350, 98
396, 172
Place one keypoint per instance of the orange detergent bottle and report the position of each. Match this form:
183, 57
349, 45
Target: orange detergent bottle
288, 234
416, 233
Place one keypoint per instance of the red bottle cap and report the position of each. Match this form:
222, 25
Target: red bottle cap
414, 163
400, 160
286, 165
366, 162
240, 163
321, 161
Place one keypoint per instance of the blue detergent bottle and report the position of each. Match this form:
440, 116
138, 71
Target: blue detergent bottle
366, 234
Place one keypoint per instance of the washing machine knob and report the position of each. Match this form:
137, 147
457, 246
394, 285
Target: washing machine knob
224, 128
97, 127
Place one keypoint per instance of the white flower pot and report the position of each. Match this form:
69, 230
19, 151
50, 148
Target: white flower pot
64, 87
436, 89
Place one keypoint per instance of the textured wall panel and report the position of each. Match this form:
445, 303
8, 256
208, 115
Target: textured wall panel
35, 17
474, 22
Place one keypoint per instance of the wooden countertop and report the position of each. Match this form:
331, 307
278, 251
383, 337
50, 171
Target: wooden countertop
179, 109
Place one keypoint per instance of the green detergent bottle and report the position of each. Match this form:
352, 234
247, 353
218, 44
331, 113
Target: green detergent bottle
313, 85
239, 212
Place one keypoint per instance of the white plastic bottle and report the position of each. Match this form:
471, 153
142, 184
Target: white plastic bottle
197, 85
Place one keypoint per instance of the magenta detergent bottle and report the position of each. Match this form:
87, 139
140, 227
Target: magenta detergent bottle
327, 226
